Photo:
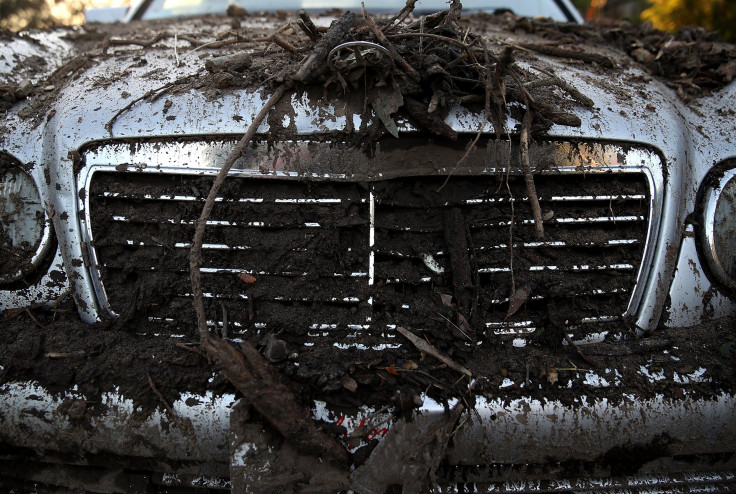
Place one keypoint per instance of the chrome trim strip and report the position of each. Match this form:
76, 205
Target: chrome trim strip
707, 231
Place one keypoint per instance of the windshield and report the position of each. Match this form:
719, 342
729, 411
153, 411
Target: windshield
159, 9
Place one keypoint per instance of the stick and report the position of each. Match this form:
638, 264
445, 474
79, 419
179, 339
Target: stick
400, 17
390, 46
306, 25
152, 92
425, 347
267, 391
577, 350
193, 350
531, 189
283, 43
136, 42
38, 323
195, 254
236, 62
317, 61
556, 51
556, 81
160, 396
486, 114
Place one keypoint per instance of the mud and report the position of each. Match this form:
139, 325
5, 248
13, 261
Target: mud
287, 272
691, 61
59, 352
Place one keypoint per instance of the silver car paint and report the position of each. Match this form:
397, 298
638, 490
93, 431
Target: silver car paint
691, 140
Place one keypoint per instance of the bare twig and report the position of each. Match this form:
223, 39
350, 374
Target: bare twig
283, 43
193, 350
269, 393
161, 397
429, 349
236, 62
33, 318
553, 80
305, 24
400, 17
195, 254
395, 55
317, 60
556, 51
531, 189
153, 92
439, 37
135, 42
454, 13
572, 344
197, 44
486, 116
511, 223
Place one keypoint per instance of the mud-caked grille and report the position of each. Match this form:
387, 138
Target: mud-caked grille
317, 257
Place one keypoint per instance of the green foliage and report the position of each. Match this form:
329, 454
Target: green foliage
716, 15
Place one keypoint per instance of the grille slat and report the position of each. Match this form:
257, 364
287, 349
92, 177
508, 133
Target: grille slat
309, 247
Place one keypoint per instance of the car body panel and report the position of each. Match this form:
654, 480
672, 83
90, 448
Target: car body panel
106, 106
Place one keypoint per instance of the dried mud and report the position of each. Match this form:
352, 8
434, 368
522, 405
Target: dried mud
99, 358
295, 296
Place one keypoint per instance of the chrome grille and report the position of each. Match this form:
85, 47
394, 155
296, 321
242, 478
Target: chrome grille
359, 258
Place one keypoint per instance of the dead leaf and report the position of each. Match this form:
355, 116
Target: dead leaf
446, 299
463, 324
517, 299
247, 278
349, 383
391, 370
552, 376
385, 101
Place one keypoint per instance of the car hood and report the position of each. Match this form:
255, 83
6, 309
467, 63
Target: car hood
109, 85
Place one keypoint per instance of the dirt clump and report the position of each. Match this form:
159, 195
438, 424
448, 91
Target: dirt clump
692, 61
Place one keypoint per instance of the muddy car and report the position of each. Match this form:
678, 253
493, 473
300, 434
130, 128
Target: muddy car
463, 251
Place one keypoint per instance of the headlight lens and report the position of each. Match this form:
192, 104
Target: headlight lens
719, 228
24, 237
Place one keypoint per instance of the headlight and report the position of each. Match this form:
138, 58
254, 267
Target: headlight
24, 236
718, 232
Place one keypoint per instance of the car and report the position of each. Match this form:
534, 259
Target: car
455, 253
559, 10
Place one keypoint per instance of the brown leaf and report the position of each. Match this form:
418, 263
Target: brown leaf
385, 101
247, 278
349, 383
463, 324
391, 370
517, 299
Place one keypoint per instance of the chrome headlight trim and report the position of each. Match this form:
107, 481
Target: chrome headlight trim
17, 186
718, 228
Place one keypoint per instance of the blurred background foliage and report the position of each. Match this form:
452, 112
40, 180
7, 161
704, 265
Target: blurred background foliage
669, 15
16, 15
